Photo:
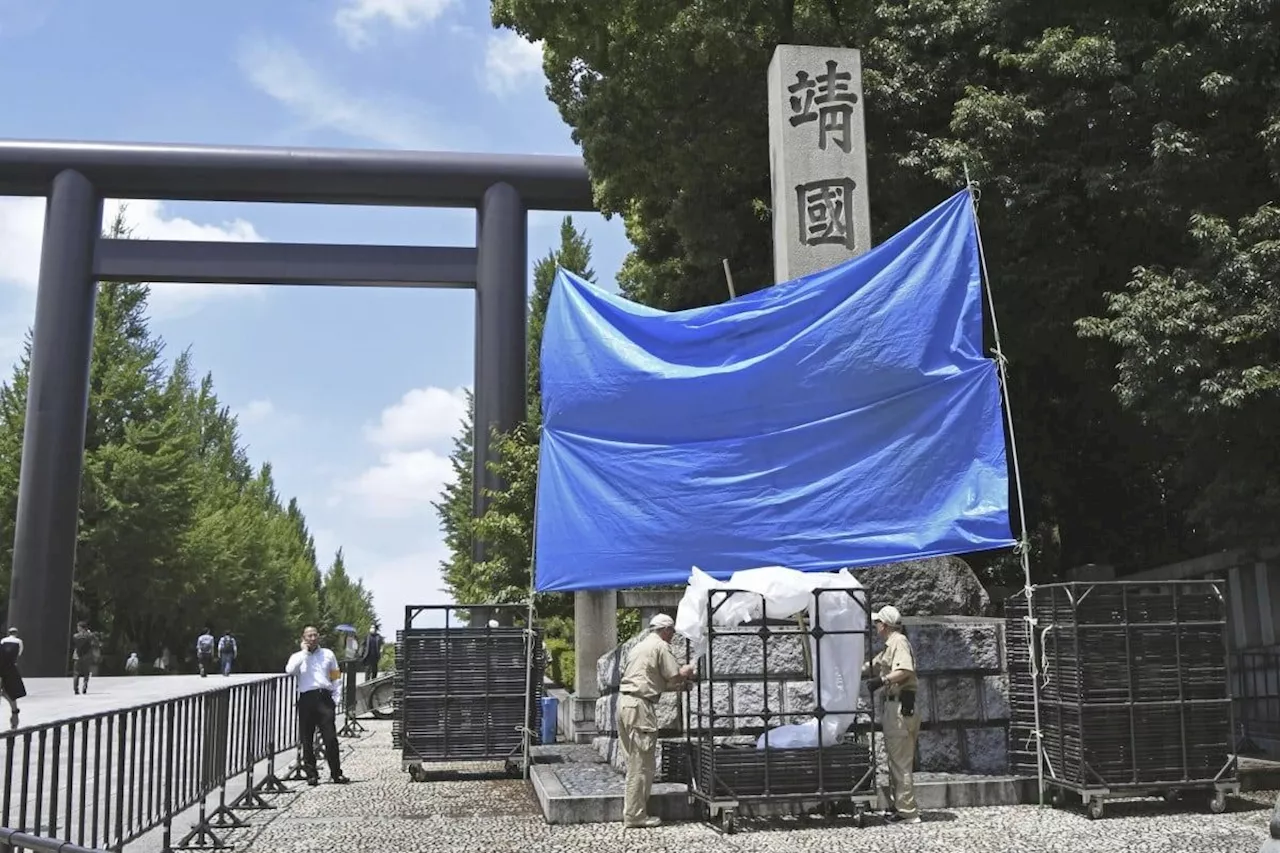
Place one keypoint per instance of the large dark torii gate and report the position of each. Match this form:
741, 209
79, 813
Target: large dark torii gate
76, 177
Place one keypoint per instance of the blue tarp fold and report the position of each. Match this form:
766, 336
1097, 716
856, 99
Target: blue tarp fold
843, 419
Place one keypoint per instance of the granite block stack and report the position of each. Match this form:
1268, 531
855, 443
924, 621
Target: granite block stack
963, 700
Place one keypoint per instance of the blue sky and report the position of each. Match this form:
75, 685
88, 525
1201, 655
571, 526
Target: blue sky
352, 395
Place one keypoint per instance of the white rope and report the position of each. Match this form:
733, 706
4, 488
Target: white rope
1023, 544
530, 635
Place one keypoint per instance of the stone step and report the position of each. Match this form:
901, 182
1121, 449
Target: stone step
593, 793
599, 799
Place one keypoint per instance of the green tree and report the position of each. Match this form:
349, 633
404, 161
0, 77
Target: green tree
1104, 136
346, 601
177, 531
508, 523
456, 515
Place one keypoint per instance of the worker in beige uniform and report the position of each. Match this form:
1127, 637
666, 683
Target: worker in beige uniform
895, 669
652, 669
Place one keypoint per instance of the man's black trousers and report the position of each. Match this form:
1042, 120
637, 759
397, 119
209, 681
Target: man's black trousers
316, 711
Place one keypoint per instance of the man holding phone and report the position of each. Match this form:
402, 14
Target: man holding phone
319, 691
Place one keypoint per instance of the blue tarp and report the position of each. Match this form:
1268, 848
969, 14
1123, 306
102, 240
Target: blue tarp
843, 419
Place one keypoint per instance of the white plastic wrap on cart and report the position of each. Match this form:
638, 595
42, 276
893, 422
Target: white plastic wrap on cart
781, 593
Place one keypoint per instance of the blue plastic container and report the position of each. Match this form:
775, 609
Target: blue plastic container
550, 716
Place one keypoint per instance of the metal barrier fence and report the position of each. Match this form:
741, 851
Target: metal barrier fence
1255, 684
104, 780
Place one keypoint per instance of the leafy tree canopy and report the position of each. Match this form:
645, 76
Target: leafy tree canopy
1128, 156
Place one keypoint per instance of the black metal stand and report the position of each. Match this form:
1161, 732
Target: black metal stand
223, 817
1135, 700
250, 798
201, 836
350, 725
467, 691
727, 778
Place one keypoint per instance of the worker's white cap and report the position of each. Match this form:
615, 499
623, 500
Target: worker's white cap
493, 623
660, 621
13, 630
888, 614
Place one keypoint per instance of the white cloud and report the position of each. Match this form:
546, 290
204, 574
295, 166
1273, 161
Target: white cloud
413, 577
423, 416
403, 484
256, 411
414, 435
22, 227
510, 62
279, 71
355, 18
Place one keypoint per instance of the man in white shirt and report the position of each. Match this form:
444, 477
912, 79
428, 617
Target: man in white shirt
319, 691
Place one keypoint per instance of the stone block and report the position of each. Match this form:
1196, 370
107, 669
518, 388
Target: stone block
938, 586
757, 698
995, 697
610, 666
744, 654
956, 697
667, 711
707, 699
939, 751
925, 698
987, 750
797, 702
956, 646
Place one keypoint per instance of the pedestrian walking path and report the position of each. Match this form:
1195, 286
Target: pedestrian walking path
50, 700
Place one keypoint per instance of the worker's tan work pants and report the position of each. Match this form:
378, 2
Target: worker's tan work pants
638, 737
900, 735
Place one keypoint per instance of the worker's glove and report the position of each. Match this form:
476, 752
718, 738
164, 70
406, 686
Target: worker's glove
874, 683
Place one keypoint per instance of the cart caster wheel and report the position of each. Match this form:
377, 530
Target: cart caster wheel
1172, 796
1054, 797
860, 819
728, 822
1096, 809
1218, 803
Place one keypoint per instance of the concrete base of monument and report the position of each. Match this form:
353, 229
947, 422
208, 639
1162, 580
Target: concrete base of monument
592, 793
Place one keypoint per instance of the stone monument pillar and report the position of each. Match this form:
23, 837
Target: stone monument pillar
818, 159
595, 634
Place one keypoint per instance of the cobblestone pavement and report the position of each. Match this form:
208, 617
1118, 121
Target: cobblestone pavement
383, 812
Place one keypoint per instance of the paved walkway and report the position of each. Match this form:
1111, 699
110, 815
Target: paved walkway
51, 700
383, 812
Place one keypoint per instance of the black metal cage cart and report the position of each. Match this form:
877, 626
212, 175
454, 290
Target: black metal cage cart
467, 691
769, 672
1134, 692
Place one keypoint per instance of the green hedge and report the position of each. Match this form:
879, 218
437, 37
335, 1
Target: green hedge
561, 664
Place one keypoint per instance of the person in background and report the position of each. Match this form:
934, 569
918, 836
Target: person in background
227, 652
372, 653
319, 691
10, 676
204, 652
132, 664
652, 669
84, 646
895, 668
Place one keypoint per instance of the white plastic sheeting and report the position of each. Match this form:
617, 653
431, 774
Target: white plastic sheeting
781, 593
